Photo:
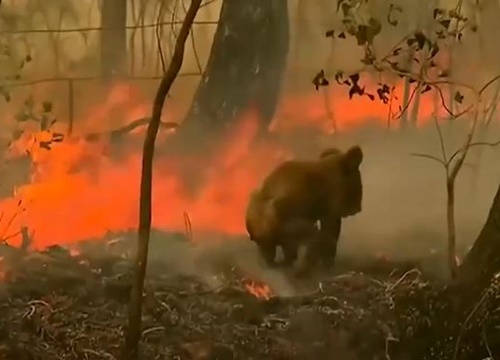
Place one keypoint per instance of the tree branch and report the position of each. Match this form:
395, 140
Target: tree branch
481, 143
145, 213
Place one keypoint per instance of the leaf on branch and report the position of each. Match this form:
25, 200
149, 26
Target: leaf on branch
368, 59
356, 90
434, 51
394, 65
459, 98
354, 78
330, 33
338, 77
392, 10
344, 6
426, 89
437, 12
441, 35
383, 93
454, 14
320, 80
362, 34
341, 35
339, 4
365, 34
445, 23
28, 58
370, 96
421, 39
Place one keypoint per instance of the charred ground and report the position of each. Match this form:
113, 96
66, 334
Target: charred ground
60, 305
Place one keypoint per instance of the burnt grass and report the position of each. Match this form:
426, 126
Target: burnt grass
57, 306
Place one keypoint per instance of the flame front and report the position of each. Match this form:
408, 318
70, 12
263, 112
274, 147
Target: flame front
77, 191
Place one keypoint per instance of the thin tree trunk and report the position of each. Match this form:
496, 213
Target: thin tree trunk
113, 38
135, 305
407, 90
450, 221
244, 69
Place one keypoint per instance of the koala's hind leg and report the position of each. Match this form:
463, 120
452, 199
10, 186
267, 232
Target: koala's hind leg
312, 256
290, 254
330, 233
268, 253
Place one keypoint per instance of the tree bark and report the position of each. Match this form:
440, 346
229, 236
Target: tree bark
113, 38
244, 69
483, 260
135, 306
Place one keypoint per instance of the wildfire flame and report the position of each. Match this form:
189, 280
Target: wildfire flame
77, 191
258, 289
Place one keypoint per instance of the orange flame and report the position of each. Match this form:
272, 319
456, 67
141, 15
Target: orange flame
78, 191
258, 289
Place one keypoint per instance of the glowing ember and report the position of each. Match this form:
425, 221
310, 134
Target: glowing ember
258, 289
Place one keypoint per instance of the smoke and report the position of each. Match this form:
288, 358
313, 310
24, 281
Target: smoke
404, 210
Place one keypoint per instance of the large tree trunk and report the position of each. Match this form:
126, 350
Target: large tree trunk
113, 38
459, 321
244, 70
483, 260
473, 330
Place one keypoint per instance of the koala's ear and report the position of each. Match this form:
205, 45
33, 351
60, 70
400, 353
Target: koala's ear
353, 157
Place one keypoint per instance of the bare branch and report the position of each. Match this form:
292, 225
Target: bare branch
488, 84
407, 105
100, 28
158, 42
481, 143
431, 157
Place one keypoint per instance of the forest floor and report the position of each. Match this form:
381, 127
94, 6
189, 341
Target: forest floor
59, 304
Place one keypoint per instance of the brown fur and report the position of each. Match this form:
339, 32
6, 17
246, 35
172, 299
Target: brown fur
296, 194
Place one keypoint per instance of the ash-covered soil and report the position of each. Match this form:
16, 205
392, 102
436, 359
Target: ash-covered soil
59, 304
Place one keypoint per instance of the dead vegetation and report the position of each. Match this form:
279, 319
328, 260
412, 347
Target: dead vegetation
55, 305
